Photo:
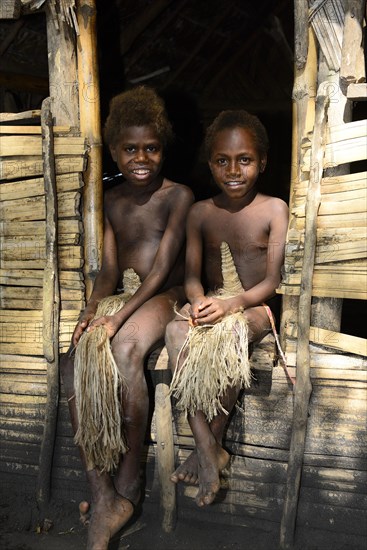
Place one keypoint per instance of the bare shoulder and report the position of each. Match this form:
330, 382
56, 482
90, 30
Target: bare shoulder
272, 205
200, 207
177, 190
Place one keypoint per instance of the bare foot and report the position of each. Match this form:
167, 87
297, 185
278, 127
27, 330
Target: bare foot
108, 515
211, 460
188, 471
131, 490
84, 514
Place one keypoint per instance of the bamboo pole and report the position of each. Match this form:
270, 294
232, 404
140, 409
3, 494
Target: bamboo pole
303, 386
304, 92
51, 313
90, 126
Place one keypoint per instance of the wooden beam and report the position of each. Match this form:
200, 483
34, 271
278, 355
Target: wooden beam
301, 31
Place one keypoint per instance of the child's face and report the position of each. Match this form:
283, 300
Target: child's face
138, 154
235, 161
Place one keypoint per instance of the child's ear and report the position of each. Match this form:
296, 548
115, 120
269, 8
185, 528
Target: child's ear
113, 153
263, 163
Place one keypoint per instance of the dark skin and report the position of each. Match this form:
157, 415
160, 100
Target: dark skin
254, 225
144, 230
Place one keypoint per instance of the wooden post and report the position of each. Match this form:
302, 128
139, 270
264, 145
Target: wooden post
62, 71
165, 446
303, 387
51, 311
352, 68
90, 126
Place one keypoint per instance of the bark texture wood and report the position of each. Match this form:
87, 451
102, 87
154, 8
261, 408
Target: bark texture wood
51, 312
303, 387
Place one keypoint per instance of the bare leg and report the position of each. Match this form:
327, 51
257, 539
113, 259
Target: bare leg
110, 511
209, 458
140, 335
112, 502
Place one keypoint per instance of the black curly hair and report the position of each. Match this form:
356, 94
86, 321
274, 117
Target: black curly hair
237, 119
140, 106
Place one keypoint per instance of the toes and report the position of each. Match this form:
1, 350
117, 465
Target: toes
84, 512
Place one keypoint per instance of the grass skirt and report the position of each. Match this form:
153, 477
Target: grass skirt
98, 387
215, 357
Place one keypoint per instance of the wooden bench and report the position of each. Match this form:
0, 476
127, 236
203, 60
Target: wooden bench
262, 361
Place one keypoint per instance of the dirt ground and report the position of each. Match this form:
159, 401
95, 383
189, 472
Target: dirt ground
64, 532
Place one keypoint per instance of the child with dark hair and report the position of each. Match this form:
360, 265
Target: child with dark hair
144, 220
234, 254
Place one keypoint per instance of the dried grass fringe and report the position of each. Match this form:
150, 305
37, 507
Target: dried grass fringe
98, 387
215, 356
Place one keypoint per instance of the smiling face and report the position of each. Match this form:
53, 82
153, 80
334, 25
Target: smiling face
138, 154
235, 162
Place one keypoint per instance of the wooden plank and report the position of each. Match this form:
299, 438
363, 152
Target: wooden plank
36, 130
357, 92
335, 285
339, 341
34, 208
321, 358
25, 115
16, 384
348, 131
335, 220
334, 184
25, 228
345, 151
32, 166
18, 146
34, 187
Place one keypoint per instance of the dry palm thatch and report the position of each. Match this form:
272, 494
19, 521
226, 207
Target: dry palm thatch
98, 386
216, 356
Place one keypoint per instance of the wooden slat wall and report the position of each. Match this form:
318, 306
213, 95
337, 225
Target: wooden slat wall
258, 436
22, 236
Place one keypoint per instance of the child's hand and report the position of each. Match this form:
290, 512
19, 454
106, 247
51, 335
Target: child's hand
110, 322
209, 310
83, 322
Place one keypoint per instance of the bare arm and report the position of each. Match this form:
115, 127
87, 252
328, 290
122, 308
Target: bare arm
194, 257
165, 258
105, 282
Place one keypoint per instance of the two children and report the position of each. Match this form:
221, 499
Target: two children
145, 219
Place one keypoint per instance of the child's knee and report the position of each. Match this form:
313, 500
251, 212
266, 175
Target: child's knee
172, 332
258, 324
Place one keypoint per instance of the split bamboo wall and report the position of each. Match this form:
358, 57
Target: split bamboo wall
23, 367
